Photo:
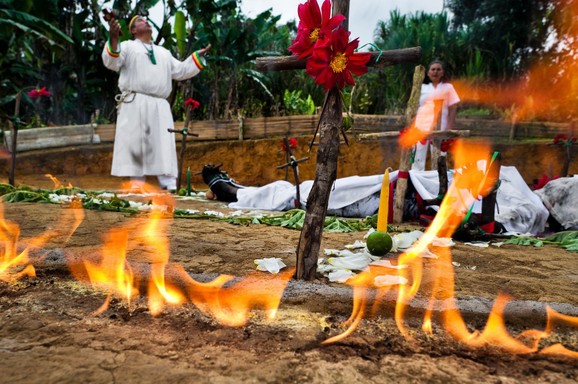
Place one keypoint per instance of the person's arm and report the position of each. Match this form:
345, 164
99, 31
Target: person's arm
191, 66
114, 30
111, 52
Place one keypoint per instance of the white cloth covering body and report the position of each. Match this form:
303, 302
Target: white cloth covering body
560, 196
142, 144
425, 117
517, 207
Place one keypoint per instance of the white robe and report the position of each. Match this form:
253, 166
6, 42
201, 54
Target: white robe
425, 116
142, 144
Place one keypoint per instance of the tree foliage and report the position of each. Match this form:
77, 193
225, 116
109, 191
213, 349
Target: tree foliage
57, 44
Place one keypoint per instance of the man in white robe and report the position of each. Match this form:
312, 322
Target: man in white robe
143, 146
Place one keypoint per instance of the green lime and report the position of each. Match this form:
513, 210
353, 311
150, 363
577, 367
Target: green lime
379, 243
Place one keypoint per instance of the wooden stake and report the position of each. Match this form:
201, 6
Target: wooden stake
325, 175
405, 160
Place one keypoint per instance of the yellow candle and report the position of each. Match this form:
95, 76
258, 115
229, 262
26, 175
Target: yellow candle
383, 203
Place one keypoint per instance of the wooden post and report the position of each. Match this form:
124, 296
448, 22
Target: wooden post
14, 126
404, 162
325, 175
330, 124
435, 143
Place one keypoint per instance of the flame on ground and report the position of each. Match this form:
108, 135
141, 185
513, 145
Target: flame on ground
57, 183
227, 299
231, 300
15, 265
474, 177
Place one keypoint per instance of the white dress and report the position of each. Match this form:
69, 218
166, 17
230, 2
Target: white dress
142, 144
425, 117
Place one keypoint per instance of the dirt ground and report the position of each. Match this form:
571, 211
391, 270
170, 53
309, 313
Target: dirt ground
49, 334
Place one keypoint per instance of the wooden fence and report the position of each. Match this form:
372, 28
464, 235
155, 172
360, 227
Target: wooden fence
266, 127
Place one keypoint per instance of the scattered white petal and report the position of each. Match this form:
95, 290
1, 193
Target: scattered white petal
214, 213
387, 264
356, 245
325, 268
405, 240
498, 244
443, 242
427, 254
236, 213
387, 280
456, 264
193, 211
356, 261
473, 268
369, 232
527, 234
271, 264
479, 244
340, 275
331, 252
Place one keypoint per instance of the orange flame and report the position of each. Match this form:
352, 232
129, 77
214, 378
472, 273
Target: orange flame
57, 183
474, 177
11, 261
548, 89
229, 300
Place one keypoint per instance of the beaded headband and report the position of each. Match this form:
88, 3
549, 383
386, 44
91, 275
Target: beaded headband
132, 21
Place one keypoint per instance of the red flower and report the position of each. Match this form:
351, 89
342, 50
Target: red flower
560, 139
542, 181
314, 25
446, 145
333, 61
292, 144
36, 93
194, 104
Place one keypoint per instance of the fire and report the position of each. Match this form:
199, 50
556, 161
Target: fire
548, 88
57, 183
474, 177
228, 300
14, 265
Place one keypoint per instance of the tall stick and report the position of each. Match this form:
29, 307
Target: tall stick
405, 160
14, 131
325, 175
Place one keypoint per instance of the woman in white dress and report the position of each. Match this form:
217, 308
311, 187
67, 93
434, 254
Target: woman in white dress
437, 96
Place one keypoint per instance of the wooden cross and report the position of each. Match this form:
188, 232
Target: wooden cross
184, 132
294, 163
330, 123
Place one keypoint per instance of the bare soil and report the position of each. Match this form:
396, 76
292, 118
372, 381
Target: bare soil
48, 333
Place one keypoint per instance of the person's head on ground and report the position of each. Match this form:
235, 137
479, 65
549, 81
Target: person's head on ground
436, 73
140, 28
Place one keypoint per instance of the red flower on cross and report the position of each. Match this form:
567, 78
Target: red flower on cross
446, 145
334, 61
193, 104
314, 25
292, 144
38, 92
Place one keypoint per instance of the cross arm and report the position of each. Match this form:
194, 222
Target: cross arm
386, 58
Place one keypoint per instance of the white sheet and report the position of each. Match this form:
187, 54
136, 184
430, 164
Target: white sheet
517, 208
